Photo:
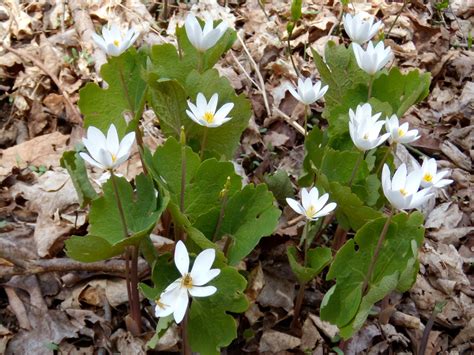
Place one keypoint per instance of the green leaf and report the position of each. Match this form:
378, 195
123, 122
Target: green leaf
141, 211
210, 326
249, 215
340, 71
77, 170
296, 9
351, 211
314, 144
344, 304
339, 166
279, 184
103, 107
401, 91
204, 181
318, 259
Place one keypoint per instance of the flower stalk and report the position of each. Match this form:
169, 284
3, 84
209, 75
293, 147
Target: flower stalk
182, 139
131, 259
356, 168
300, 296
224, 196
375, 257
203, 142
384, 159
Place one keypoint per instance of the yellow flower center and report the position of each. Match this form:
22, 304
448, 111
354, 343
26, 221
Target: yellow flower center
114, 158
187, 281
401, 132
310, 211
428, 177
209, 117
366, 136
403, 192
116, 43
160, 304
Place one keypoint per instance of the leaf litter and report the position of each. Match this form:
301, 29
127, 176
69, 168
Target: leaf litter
38, 208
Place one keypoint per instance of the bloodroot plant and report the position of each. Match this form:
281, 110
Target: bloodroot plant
359, 218
188, 192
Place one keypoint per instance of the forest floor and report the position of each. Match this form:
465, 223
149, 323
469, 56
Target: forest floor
50, 303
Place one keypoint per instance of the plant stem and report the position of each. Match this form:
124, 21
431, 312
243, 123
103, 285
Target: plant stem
182, 235
131, 271
373, 261
384, 159
203, 143
186, 348
200, 66
405, 2
225, 193
290, 55
339, 238
300, 296
371, 81
356, 167
306, 107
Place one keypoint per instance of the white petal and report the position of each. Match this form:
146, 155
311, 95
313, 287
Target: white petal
223, 111
205, 277
202, 291
326, 210
126, 144
181, 258
399, 178
105, 159
305, 198
181, 305
91, 161
203, 263
99, 41
112, 140
295, 206
212, 105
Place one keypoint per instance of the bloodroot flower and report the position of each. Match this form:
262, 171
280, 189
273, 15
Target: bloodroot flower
175, 298
203, 38
106, 152
204, 113
402, 190
400, 133
306, 92
361, 30
312, 206
374, 58
430, 176
114, 41
365, 128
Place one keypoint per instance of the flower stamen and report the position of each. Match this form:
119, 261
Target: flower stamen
310, 211
403, 192
116, 43
208, 117
401, 132
187, 281
428, 177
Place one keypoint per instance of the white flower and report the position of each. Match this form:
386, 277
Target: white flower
115, 41
307, 93
203, 38
400, 134
430, 176
106, 152
361, 30
312, 206
204, 113
365, 128
104, 177
372, 59
402, 191
175, 298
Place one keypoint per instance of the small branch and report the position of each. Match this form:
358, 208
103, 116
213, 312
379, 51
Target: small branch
405, 2
290, 121
65, 265
259, 76
76, 116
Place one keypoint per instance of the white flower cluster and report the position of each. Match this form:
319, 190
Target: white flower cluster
365, 128
411, 190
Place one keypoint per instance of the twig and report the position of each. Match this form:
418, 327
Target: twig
76, 116
259, 76
426, 333
65, 265
405, 2
288, 119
